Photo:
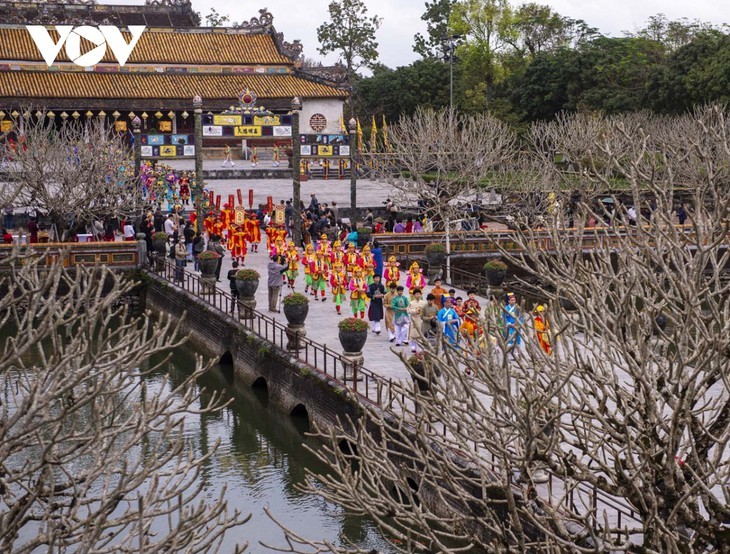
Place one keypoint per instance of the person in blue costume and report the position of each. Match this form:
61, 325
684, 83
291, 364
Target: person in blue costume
449, 320
513, 319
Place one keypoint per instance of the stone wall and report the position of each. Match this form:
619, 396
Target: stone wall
289, 382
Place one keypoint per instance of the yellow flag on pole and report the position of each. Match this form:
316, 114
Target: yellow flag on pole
343, 129
385, 134
359, 135
373, 135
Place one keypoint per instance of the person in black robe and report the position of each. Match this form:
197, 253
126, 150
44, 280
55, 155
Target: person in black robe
376, 291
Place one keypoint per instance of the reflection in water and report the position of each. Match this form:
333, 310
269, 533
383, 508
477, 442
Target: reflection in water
261, 460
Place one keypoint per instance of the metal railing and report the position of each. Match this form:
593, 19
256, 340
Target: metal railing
319, 357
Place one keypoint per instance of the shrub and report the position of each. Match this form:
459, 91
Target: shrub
208, 255
160, 235
436, 247
247, 275
295, 298
495, 265
353, 324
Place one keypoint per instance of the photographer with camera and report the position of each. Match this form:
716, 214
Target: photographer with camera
277, 266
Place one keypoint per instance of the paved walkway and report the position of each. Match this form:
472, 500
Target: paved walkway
369, 193
381, 356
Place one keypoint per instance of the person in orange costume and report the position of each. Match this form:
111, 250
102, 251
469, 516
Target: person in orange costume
253, 232
218, 227
237, 243
391, 273
542, 329
208, 224
270, 238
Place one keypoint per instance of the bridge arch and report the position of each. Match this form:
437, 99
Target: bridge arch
226, 364
301, 417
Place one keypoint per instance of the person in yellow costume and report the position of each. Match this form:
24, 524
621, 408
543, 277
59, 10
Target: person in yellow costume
307, 258
391, 273
415, 279
338, 284
292, 257
367, 262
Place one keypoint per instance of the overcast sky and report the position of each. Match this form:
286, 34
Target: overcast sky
299, 19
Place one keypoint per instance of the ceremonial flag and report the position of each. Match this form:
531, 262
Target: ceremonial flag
240, 197
373, 135
359, 135
385, 134
343, 129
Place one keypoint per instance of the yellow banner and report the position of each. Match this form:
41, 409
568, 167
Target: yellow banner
6, 125
247, 131
165, 126
120, 126
324, 150
168, 150
226, 120
266, 120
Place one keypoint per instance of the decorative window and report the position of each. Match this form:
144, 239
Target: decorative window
318, 123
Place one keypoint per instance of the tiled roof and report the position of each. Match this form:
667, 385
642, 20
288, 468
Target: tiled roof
164, 46
54, 84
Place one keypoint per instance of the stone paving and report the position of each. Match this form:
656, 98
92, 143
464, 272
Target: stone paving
369, 193
381, 356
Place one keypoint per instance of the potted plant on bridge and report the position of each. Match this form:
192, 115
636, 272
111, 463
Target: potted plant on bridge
435, 256
247, 282
496, 271
296, 308
208, 262
353, 334
159, 242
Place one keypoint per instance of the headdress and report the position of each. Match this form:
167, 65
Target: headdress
323, 236
350, 245
338, 265
392, 259
366, 248
336, 244
540, 308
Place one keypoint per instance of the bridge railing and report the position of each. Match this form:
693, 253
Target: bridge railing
74, 254
361, 381
486, 242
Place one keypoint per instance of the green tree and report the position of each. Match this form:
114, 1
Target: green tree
436, 16
399, 92
673, 34
696, 73
479, 21
351, 33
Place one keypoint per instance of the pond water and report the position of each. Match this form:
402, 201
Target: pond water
261, 460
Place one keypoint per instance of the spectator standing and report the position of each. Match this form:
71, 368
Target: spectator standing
275, 269
234, 289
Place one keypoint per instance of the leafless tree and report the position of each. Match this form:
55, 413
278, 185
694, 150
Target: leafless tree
93, 454
631, 408
74, 172
439, 158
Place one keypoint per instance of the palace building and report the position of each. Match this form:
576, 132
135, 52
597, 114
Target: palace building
172, 61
